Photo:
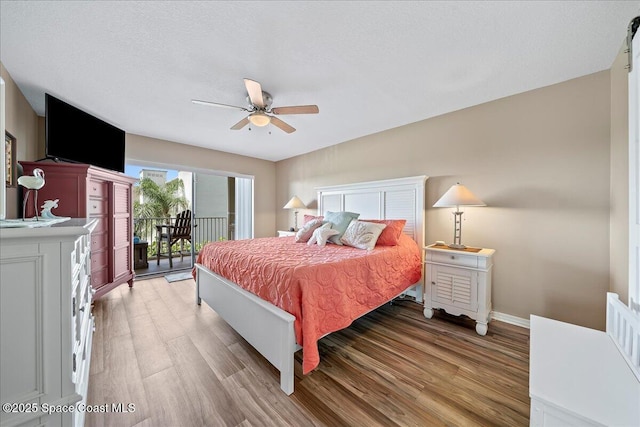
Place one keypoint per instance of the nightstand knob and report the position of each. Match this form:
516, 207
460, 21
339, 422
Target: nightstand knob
453, 257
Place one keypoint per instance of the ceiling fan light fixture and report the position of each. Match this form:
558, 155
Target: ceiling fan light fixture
259, 119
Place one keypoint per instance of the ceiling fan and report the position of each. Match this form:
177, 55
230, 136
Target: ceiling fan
260, 111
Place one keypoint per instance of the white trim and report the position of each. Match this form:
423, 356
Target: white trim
347, 188
508, 318
185, 168
634, 179
244, 208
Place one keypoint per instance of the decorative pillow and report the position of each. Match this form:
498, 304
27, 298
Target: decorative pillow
391, 234
304, 234
308, 218
362, 235
339, 221
321, 234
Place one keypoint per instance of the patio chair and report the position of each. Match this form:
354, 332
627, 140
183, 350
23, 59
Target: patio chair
171, 234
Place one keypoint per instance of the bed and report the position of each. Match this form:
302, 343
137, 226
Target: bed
282, 296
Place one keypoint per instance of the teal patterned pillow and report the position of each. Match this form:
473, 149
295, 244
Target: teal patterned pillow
339, 221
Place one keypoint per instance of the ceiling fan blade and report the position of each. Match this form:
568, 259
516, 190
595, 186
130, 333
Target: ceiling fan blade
217, 104
242, 123
282, 125
255, 92
298, 109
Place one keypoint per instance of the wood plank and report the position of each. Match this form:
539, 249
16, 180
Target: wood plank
134, 301
265, 385
202, 387
168, 404
114, 316
165, 322
151, 351
220, 359
121, 381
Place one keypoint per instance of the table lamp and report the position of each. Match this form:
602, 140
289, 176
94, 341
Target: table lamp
295, 203
458, 195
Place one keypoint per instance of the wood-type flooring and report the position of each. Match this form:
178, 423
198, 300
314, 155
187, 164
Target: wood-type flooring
179, 364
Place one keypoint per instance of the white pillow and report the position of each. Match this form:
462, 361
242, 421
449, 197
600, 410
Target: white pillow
321, 234
304, 234
362, 235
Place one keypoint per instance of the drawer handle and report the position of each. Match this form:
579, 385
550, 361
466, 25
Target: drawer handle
453, 257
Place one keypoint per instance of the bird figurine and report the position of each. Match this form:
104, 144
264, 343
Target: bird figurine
34, 182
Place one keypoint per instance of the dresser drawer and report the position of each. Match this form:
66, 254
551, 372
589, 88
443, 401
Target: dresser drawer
98, 277
99, 259
97, 189
455, 259
99, 241
97, 207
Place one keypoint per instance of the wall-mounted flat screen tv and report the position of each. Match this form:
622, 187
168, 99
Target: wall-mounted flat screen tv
76, 136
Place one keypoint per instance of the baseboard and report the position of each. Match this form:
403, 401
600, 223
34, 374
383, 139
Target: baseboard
508, 318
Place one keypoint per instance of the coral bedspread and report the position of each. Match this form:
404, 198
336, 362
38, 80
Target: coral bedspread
325, 288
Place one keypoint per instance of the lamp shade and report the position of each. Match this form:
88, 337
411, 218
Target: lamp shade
294, 203
458, 195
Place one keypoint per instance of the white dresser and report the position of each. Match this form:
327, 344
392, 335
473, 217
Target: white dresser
46, 323
459, 281
584, 377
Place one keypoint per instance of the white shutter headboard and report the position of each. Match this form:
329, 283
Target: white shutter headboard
400, 198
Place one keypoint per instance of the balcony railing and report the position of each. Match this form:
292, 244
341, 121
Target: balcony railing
208, 229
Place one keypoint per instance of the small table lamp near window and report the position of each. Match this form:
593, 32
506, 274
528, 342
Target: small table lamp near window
295, 203
458, 195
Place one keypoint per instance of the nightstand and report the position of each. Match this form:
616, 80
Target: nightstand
459, 281
282, 233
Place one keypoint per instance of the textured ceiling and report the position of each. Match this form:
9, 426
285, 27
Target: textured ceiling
369, 66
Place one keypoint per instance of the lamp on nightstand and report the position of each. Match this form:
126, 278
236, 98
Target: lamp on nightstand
458, 195
295, 203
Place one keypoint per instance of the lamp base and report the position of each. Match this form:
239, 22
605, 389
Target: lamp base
456, 246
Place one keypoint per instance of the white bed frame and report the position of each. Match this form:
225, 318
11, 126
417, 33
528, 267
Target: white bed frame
269, 329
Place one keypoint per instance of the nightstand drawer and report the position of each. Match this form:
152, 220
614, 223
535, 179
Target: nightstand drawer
455, 259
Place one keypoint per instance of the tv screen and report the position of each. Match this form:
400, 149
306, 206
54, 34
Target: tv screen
76, 136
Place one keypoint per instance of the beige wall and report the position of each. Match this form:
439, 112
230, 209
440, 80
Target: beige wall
619, 202
22, 123
143, 149
540, 160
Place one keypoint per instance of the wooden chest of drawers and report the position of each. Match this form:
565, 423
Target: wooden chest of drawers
86, 191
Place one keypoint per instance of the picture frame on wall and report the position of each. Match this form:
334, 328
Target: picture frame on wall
10, 160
